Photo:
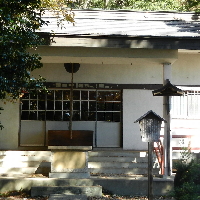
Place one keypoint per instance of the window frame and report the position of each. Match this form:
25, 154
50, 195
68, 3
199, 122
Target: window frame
186, 106
91, 99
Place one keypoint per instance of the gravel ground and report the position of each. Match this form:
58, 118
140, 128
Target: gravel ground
104, 197
90, 198
128, 198
24, 195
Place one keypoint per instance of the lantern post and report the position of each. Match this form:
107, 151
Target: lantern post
167, 91
150, 126
71, 68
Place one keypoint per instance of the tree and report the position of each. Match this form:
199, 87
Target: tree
187, 178
192, 5
19, 22
150, 5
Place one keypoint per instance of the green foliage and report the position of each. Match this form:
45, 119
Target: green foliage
60, 9
188, 191
144, 5
187, 179
19, 20
192, 5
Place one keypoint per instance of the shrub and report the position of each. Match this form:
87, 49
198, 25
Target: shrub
187, 179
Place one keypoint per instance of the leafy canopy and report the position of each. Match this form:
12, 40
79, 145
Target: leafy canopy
19, 22
144, 5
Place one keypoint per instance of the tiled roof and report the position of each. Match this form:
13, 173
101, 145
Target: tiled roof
128, 23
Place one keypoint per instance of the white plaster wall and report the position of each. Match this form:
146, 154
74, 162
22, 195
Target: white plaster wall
90, 73
186, 70
9, 118
135, 104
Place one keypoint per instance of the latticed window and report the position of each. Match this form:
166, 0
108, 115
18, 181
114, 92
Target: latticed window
88, 105
186, 106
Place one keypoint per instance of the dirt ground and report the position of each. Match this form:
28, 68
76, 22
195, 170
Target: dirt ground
92, 198
104, 197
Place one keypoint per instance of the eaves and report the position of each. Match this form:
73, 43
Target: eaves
123, 41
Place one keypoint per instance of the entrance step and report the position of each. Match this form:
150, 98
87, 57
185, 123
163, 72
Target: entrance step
106, 162
25, 153
121, 172
90, 191
67, 197
24, 162
18, 170
120, 162
118, 153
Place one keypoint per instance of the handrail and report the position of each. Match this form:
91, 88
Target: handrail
159, 154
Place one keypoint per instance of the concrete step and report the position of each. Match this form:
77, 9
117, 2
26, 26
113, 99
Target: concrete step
67, 190
25, 153
117, 159
15, 158
121, 171
21, 175
119, 165
119, 153
103, 161
17, 170
25, 170
120, 162
67, 197
25, 162
19, 163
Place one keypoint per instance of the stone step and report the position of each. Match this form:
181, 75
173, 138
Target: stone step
122, 153
67, 190
120, 165
39, 162
119, 162
25, 164
118, 171
22, 175
78, 175
123, 186
118, 159
15, 170
25, 153
67, 197
17, 158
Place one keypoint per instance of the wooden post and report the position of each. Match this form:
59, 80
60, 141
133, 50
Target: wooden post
71, 102
150, 171
167, 136
167, 75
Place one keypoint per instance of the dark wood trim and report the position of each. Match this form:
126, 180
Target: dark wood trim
123, 41
108, 86
103, 86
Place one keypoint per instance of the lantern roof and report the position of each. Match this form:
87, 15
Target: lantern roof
150, 115
168, 90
